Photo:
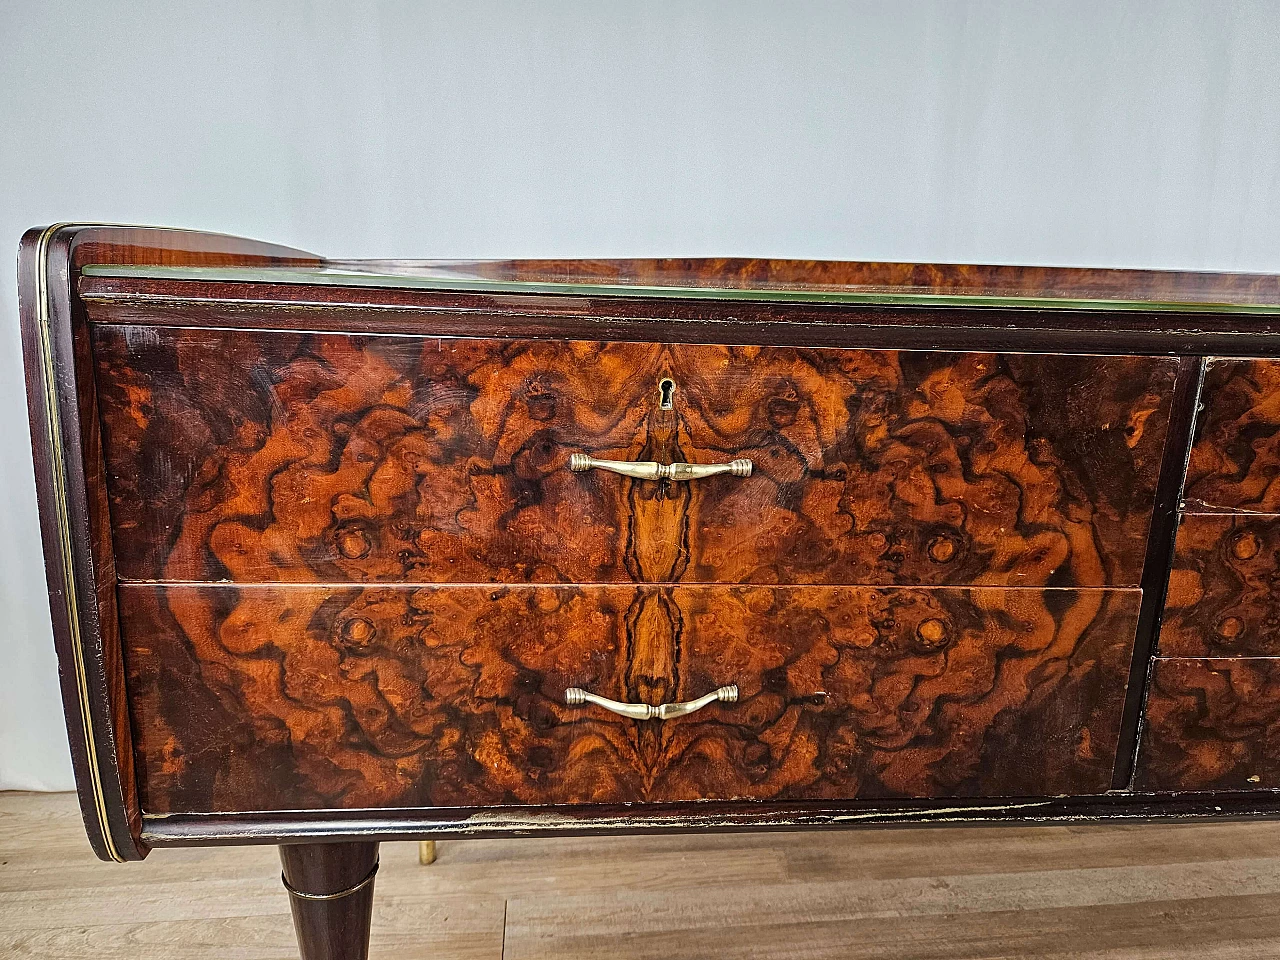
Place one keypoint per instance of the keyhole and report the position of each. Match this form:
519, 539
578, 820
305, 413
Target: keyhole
666, 391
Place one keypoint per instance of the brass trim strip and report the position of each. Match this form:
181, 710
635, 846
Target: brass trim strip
295, 892
53, 421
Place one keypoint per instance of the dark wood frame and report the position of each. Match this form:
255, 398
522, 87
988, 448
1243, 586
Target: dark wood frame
330, 856
57, 301
70, 487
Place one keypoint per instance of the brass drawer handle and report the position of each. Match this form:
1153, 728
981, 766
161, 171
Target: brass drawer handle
649, 470
576, 697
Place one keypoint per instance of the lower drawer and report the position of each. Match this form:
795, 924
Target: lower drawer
267, 696
1211, 724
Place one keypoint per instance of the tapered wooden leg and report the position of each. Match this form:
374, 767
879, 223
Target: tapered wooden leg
426, 852
331, 892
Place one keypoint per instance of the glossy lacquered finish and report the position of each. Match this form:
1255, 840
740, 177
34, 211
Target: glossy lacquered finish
74, 519
1222, 599
329, 459
1213, 712
1235, 463
330, 889
291, 697
1212, 724
253, 456
321, 570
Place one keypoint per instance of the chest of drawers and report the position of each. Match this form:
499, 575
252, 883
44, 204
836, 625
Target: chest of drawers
341, 551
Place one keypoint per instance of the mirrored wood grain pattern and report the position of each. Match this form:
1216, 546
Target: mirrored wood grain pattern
280, 697
252, 456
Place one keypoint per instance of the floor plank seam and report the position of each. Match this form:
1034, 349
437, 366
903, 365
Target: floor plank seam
1097, 892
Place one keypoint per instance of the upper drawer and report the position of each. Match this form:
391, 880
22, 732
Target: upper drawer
260, 456
1235, 461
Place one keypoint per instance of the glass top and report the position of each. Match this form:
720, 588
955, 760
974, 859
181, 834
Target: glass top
946, 285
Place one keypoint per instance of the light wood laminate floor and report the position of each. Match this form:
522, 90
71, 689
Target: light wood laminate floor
1166, 891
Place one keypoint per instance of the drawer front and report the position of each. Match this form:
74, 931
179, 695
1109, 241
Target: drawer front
261, 456
1213, 703
1211, 724
293, 696
1235, 460
1222, 599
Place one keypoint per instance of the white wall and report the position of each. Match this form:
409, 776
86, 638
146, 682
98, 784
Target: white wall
1108, 133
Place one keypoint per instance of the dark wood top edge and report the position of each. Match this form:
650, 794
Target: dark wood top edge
155, 292
381, 311
172, 247
1243, 297
295, 826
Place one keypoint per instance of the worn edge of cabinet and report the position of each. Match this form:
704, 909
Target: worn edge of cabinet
184, 829
445, 313
1162, 533
73, 513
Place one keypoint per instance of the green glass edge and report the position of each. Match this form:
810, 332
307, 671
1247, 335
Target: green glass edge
338, 278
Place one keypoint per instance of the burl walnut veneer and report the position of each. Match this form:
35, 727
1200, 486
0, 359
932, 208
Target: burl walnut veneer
342, 551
